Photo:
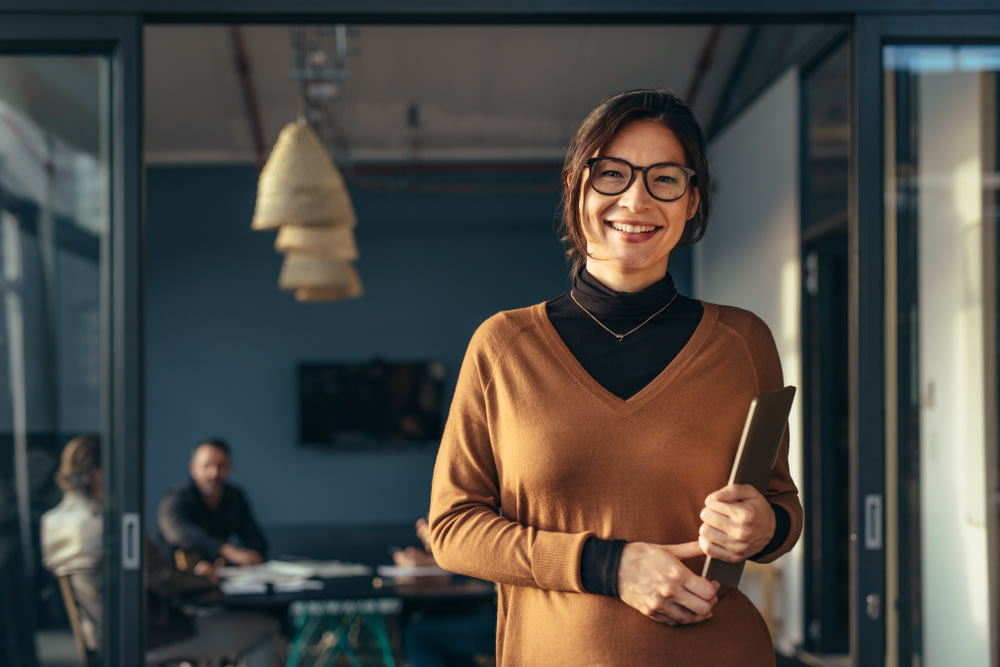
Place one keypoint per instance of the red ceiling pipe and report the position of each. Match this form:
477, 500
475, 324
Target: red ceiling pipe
242, 63
701, 67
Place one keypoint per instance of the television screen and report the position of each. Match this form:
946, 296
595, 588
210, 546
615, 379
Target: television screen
375, 404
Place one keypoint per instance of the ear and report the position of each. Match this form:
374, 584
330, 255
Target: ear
694, 201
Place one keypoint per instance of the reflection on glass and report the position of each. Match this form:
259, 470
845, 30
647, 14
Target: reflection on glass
942, 101
53, 215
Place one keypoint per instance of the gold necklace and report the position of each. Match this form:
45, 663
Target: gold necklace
619, 336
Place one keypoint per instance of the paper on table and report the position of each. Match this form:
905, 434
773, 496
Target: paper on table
328, 569
274, 571
411, 571
242, 587
301, 585
270, 571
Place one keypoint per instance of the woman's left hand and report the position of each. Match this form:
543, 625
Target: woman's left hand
738, 523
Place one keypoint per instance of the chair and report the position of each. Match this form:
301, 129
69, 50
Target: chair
73, 611
217, 650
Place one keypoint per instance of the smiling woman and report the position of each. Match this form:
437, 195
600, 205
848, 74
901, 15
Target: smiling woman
590, 437
630, 228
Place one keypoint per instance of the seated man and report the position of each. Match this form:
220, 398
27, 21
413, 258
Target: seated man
444, 637
206, 518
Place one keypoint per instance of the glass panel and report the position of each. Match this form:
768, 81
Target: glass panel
941, 145
54, 213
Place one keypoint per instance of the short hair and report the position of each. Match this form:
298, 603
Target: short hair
218, 443
600, 127
81, 458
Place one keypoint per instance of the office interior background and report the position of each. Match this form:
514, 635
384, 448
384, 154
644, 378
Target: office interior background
854, 157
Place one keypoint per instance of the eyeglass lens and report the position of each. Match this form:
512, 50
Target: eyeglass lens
612, 176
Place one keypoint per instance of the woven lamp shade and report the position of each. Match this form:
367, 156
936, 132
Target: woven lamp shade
300, 185
319, 278
313, 294
329, 242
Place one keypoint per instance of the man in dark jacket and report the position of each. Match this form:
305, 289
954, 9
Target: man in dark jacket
208, 519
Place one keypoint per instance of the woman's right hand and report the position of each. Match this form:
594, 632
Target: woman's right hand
652, 579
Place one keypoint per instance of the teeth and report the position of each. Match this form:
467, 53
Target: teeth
632, 229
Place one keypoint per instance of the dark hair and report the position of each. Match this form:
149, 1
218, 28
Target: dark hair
81, 458
599, 128
218, 443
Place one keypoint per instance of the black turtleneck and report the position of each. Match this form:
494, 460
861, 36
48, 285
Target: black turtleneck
624, 368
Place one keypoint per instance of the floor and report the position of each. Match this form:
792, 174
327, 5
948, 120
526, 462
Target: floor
56, 648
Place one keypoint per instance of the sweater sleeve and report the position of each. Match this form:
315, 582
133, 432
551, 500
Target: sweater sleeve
469, 533
781, 490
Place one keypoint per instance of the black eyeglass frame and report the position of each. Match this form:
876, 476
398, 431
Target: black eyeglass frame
691, 173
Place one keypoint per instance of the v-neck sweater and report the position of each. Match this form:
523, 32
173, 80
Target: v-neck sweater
537, 456
655, 335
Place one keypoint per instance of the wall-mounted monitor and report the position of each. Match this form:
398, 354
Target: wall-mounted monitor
388, 405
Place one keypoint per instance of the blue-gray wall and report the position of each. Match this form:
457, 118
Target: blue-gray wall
222, 340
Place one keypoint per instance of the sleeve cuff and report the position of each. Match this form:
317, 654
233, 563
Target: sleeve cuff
599, 565
782, 525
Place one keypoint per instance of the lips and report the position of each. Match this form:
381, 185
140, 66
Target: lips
629, 228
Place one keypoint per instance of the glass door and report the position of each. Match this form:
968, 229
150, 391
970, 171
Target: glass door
941, 184
70, 178
54, 214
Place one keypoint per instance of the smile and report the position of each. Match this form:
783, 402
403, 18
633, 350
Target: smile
633, 229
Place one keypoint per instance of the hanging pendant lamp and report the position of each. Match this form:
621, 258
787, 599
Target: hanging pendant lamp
319, 278
301, 193
330, 242
300, 185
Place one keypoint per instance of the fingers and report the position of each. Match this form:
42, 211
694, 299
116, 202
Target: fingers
684, 550
733, 493
737, 523
652, 579
679, 615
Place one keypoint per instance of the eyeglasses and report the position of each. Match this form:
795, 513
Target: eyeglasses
666, 181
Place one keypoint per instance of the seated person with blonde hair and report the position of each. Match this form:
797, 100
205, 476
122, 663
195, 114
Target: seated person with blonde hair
72, 531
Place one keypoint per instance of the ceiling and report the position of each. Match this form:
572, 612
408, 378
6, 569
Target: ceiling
404, 93
415, 92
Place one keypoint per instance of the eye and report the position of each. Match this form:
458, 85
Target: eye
611, 173
666, 179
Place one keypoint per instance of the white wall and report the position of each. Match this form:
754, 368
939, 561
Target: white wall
750, 258
952, 447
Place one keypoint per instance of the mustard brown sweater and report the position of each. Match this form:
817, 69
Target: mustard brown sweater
532, 433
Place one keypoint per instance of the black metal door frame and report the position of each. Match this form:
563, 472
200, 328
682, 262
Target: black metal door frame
869, 382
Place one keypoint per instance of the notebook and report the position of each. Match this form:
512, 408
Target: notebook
766, 421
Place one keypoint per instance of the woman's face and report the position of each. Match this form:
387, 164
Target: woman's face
630, 235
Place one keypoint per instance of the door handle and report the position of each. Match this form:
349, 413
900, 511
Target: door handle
131, 554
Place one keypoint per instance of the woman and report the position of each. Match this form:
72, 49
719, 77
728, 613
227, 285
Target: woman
585, 458
71, 532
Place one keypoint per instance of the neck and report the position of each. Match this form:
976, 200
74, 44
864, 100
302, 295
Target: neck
212, 501
621, 280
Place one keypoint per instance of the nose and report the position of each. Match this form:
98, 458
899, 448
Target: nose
636, 196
